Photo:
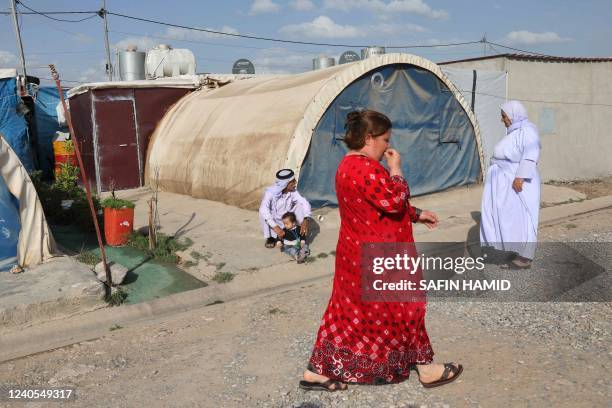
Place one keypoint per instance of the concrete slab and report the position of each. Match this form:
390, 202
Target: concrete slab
58, 288
230, 238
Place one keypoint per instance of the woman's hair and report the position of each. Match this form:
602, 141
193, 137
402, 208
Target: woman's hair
361, 123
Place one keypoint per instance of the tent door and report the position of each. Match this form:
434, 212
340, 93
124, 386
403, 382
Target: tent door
117, 155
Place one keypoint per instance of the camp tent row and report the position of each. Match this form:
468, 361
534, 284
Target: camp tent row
225, 144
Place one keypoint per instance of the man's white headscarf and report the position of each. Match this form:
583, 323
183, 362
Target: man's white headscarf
517, 114
283, 178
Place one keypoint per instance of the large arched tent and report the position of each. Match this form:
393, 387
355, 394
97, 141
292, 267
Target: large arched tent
25, 238
226, 144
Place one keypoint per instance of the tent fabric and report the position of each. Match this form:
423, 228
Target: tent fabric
13, 124
226, 144
9, 227
431, 131
489, 93
47, 124
36, 243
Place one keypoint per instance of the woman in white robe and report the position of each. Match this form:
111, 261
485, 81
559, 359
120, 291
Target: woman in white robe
511, 197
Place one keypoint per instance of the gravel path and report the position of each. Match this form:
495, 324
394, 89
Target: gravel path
251, 352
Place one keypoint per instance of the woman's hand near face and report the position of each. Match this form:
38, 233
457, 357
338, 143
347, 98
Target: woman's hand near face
394, 161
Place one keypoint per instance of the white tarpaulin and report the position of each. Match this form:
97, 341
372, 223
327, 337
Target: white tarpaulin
487, 91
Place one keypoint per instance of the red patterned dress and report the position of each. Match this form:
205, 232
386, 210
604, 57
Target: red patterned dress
369, 342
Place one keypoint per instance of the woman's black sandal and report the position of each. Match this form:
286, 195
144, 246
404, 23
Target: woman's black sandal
329, 385
448, 368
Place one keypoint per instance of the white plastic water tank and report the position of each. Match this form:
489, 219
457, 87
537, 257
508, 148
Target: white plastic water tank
165, 61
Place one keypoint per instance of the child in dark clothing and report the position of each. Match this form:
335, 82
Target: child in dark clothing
294, 244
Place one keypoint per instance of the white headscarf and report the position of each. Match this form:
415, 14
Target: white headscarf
283, 178
517, 114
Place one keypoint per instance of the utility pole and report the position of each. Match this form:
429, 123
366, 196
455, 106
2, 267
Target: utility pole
109, 65
18, 34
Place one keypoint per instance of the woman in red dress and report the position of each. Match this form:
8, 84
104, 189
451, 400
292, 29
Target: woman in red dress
371, 342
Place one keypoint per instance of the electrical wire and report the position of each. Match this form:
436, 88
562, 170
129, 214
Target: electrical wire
46, 14
469, 91
519, 50
252, 37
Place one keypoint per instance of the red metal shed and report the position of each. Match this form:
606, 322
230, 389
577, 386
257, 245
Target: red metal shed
114, 121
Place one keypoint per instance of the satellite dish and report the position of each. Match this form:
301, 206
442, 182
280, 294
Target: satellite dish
348, 56
243, 66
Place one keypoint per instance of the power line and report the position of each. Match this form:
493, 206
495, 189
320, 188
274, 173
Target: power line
519, 50
50, 12
530, 100
252, 37
193, 41
45, 14
67, 52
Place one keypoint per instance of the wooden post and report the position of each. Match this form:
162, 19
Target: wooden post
77, 150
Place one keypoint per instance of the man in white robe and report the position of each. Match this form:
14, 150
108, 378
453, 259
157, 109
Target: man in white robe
281, 198
511, 197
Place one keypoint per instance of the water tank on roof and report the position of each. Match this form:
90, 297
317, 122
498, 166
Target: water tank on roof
131, 64
348, 57
165, 61
372, 51
322, 63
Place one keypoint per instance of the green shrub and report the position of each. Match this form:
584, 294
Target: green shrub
65, 187
223, 277
117, 203
89, 258
166, 248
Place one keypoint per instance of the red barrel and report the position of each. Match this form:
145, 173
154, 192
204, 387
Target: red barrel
118, 225
62, 155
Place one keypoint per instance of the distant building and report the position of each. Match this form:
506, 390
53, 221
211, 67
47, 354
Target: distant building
570, 100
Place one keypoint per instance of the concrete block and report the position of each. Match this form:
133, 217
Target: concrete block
118, 272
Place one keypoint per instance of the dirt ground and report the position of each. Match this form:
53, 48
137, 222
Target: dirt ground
591, 188
251, 352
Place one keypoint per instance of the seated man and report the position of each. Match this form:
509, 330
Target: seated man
279, 199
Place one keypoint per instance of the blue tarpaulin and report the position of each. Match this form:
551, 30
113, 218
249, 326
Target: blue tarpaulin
12, 123
431, 131
46, 126
9, 227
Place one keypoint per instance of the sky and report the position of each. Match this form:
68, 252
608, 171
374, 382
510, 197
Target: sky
560, 27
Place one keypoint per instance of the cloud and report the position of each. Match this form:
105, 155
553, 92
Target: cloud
302, 5
143, 43
184, 34
395, 29
282, 61
529, 38
96, 73
7, 59
92, 75
263, 6
321, 27
392, 7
